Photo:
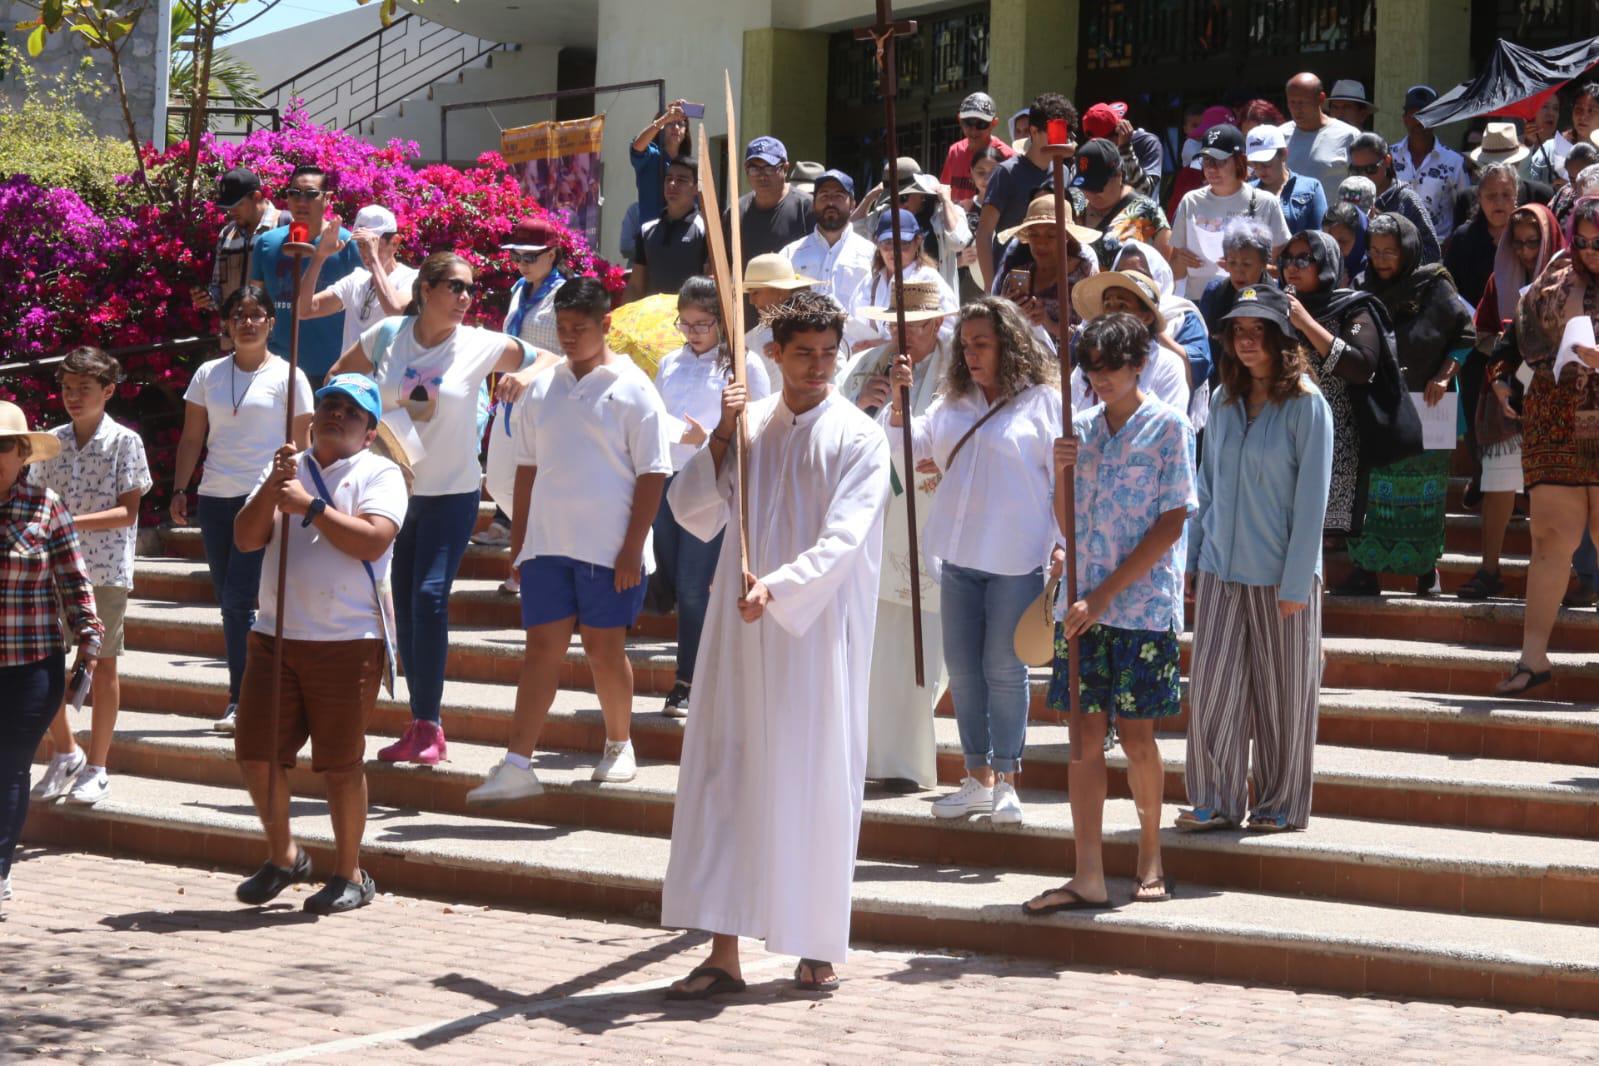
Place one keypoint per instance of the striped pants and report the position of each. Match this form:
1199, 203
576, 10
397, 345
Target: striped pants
1253, 675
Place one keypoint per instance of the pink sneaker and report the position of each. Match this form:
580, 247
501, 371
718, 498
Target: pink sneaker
422, 742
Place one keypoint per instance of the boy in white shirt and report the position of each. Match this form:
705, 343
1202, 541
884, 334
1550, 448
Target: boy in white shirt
592, 455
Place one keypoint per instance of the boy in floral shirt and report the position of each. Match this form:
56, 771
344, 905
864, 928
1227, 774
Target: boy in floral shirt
100, 475
1134, 474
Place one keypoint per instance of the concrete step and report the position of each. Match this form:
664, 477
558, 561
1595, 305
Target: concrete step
479, 562
1463, 535
1312, 943
1454, 570
1461, 870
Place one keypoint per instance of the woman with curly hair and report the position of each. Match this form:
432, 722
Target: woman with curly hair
1255, 546
992, 433
1559, 434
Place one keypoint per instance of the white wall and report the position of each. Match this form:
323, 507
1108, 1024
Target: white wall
475, 131
277, 56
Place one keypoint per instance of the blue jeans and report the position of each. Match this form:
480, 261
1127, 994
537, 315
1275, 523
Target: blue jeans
687, 563
235, 578
33, 692
427, 554
1586, 562
987, 682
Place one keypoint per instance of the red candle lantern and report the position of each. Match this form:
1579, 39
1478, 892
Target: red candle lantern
300, 233
1059, 133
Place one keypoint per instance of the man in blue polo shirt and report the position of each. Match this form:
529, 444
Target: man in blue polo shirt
319, 337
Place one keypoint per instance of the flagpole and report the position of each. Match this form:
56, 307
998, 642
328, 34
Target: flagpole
1061, 146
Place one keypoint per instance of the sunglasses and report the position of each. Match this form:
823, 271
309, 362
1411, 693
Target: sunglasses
302, 194
1585, 244
459, 287
1366, 170
529, 257
1532, 242
1299, 262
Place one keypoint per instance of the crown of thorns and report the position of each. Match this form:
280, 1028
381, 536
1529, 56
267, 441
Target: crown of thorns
812, 308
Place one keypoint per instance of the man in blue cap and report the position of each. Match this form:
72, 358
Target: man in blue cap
773, 214
833, 253
345, 505
1436, 171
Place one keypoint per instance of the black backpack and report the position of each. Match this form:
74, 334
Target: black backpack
1385, 420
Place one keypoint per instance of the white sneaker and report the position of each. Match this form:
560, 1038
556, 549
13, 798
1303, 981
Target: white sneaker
506, 783
5, 888
511, 586
617, 764
59, 775
970, 798
495, 536
228, 721
1007, 808
90, 787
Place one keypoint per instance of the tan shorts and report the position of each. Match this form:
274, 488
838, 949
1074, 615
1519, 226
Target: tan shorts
329, 690
110, 606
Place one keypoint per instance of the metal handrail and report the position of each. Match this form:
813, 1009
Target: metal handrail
176, 344
352, 46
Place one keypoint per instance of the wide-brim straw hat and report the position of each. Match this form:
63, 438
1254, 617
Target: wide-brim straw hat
1500, 144
1041, 212
921, 304
774, 271
1088, 295
13, 423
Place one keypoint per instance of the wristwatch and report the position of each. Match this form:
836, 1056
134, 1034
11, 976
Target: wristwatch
314, 511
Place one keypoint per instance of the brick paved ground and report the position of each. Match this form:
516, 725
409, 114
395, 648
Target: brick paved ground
118, 960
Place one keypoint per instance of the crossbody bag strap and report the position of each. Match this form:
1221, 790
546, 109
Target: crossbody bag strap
371, 576
990, 413
385, 340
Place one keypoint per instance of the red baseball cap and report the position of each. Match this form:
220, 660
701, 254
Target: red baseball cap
532, 234
1101, 119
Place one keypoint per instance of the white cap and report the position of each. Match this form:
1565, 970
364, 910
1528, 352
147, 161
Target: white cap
1263, 143
377, 218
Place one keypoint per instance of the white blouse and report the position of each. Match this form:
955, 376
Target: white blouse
692, 384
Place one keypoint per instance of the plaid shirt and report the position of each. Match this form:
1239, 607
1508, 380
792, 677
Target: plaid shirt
39, 557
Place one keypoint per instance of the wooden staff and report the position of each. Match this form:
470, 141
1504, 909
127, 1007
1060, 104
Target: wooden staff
1059, 149
883, 34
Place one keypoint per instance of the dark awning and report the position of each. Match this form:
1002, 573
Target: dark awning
1513, 83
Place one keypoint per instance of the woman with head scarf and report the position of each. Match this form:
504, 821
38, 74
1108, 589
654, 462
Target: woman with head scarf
1345, 331
1559, 432
1346, 224
1404, 525
1525, 247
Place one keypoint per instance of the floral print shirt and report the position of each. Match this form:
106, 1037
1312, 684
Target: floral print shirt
90, 479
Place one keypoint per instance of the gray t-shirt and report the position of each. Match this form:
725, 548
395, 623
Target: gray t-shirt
763, 230
1322, 154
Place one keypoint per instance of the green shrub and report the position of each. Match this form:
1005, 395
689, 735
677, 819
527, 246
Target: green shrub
46, 135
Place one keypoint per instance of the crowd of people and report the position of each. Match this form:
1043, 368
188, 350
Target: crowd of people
1248, 368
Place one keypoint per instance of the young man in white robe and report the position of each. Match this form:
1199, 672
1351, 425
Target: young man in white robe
773, 770
900, 749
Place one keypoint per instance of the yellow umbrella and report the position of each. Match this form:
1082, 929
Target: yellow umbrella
646, 330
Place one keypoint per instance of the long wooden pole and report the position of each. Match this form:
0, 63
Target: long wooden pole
736, 323
1069, 488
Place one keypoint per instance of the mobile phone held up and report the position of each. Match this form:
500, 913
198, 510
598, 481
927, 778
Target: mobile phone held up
693, 110
1018, 285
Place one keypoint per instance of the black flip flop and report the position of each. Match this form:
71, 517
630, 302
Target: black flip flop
264, 885
1077, 903
1168, 883
1534, 679
721, 981
813, 985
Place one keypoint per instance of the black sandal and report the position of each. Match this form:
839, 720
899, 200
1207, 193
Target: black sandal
829, 984
340, 895
1359, 583
1075, 903
1534, 679
1167, 886
721, 981
1481, 585
264, 885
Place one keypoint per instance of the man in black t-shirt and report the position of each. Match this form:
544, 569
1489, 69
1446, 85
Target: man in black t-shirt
773, 215
1011, 185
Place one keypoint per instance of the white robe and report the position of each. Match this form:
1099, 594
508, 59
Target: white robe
768, 806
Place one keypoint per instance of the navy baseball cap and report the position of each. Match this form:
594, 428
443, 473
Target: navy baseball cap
908, 229
235, 185
768, 150
843, 179
359, 388
1097, 162
1419, 96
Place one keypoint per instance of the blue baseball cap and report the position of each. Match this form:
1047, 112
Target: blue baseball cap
908, 229
843, 179
1419, 96
768, 150
359, 388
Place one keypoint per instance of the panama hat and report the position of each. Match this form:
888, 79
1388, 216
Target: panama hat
1500, 144
921, 304
1088, 295
13, 423
1041, 212
774, 271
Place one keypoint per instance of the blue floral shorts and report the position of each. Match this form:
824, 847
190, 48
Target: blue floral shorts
1126, 673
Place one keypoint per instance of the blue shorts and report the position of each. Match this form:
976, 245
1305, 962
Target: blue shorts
557, 586
1126, 673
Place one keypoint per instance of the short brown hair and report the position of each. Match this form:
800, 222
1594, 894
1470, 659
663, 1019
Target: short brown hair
90, 362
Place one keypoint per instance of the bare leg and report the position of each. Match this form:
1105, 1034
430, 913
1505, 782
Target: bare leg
1559, 513
1146, 776
541, 676
281, 848
61, 739
1087, 792
723, 956
347, 806
1496, 511
984, 775
107, 696
613, 678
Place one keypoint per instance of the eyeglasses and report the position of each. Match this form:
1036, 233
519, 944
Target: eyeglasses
530, 257
239, 318
695, 327
1365, 170
459, 287
302, 194
761, 170
1393, 253
1585, 244
1299, 262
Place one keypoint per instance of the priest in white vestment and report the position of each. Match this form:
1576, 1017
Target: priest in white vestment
900, 748
774, 757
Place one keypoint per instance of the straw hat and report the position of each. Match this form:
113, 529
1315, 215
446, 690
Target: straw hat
921, 304
774, 271
1088, 295
1041, 212
1500, 144
13, 423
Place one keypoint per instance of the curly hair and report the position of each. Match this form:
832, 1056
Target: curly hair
1023, 362
1290, 363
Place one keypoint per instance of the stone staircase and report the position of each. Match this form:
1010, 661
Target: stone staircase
1453, 853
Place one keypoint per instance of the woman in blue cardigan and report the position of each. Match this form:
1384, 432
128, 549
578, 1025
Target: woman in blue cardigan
1254, 549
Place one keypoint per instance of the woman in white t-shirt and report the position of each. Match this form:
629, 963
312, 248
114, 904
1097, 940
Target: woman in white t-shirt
1548, 163
430, 366
379, 288
690, 381
234, 408
1196, 228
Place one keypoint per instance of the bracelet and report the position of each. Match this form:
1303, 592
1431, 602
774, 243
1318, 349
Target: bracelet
180, 492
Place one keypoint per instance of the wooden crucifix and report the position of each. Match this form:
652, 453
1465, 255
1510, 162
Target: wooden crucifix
883, 33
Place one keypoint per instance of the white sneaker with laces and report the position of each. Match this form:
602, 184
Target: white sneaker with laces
970, 798
59, 775
506, 783
1007, 808
617, 764
227, 722
89, 787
